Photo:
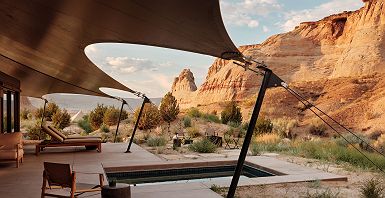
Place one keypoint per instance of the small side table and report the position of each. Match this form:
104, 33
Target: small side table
118, 191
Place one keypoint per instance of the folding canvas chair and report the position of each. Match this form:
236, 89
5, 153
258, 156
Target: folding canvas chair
59, 176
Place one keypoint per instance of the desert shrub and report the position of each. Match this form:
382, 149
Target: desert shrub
50, 110
61, 119
156, 141
203, 146
38, 113
111, 116
85, 124
245, 126
30, 116
233, 124
362, 141
263, 125
380, 143
150, 117
186, 121
211, 118
169, 109
231, 113
193, 132
24, 114
96, 116
372, 188
104, 128
34, 132
322, 194
194, 112
318, 128
283, 127
375, 135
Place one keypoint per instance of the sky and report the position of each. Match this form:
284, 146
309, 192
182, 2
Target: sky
151, 70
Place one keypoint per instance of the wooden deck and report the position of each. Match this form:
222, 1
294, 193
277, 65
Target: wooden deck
25, 182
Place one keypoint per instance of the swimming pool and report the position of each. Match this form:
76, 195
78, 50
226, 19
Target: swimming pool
182, 171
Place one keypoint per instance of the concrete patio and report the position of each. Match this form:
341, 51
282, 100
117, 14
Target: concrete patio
26, 181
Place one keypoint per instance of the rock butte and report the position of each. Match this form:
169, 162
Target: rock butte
345, 50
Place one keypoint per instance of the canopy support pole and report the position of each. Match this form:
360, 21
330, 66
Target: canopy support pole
42, 116
120, 115
145, 100
269, 80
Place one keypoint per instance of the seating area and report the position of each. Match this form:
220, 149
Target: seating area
56, 175
60, 140
11, 147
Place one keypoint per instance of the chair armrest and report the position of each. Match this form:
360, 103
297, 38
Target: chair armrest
101, 176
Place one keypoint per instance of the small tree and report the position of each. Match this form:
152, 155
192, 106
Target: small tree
169, 109
150, 117
96, 116
50, 109
231, 113
111, 116
24, 114
85, 124
61, 119
263, 125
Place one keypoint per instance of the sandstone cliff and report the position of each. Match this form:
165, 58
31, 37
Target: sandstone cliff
349, 46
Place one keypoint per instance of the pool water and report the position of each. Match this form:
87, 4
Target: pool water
184, 175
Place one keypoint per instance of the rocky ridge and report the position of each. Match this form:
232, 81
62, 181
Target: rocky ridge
349, 46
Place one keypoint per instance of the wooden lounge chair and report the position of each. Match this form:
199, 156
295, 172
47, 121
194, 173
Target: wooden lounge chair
67, 137
58, 141
59, 176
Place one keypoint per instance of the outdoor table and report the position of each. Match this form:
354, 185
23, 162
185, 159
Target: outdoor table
118, 191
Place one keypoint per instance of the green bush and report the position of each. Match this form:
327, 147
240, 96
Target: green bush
156, 141
96, 116
24, 114
85, 124
231, 113
234, 124
284, 126
323, 194
193, 132
354, 140
61, 119
263, 125
211, 118
169, 108
194, 112
372, 188
203, 146
105, 128
150, 117
111, 116
318, 129
34, 132
186, 121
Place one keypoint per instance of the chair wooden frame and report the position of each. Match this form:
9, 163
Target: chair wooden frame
69, 183
58, 141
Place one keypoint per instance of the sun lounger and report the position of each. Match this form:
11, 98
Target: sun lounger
74, 137
58, 141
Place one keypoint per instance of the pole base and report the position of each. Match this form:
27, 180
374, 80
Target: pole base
127, 151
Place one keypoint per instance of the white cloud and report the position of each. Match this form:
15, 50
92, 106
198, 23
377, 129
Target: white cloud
127, 65
246, 12
294, 18
265, 29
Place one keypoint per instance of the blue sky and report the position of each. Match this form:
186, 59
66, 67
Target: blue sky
151, 70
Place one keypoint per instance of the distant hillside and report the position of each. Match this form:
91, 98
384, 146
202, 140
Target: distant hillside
74, 103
